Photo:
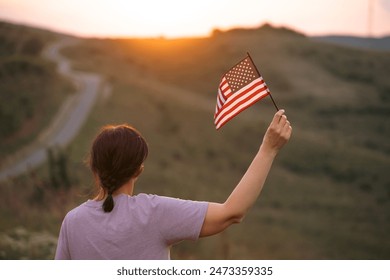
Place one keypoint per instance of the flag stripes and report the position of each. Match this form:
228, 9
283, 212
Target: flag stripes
248, 88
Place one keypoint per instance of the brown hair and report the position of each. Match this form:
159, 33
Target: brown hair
116, 155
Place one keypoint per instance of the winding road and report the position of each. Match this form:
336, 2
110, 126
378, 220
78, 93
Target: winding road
69, 119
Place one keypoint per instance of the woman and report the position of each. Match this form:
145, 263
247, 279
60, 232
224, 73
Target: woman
119, 225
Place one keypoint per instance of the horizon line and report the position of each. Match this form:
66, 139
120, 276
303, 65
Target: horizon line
208, 35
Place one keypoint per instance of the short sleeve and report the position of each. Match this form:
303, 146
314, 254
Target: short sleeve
180, 219
62, 251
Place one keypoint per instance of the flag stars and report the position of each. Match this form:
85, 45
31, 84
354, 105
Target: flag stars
241, 75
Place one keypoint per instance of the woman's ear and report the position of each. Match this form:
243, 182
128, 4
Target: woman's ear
139, 171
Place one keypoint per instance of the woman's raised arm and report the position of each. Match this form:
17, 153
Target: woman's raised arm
221, 215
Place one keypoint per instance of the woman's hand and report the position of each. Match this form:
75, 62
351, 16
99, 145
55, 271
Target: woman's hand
278, 133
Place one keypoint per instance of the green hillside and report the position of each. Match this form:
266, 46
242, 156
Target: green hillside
328, 194
30, 88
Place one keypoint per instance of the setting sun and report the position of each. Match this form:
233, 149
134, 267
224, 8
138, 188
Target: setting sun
171, 18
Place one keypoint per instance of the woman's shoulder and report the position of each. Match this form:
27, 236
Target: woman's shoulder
156, 201
151, 200
166, 201
74, 213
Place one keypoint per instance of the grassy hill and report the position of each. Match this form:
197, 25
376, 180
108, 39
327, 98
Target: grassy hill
328, 194
31, 91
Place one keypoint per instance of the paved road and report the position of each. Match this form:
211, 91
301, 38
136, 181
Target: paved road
68, 121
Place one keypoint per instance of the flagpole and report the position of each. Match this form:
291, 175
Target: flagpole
273, 101
258, 73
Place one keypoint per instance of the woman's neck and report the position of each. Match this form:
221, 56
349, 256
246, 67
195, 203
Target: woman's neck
126, 188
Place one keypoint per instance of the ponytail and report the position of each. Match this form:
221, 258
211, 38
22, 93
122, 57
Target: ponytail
108, 203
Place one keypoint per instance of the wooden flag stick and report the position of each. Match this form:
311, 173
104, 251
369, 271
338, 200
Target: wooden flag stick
273, 101
270, 95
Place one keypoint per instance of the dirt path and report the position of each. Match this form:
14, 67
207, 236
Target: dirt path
68, 121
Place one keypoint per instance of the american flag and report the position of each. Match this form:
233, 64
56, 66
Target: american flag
240, 87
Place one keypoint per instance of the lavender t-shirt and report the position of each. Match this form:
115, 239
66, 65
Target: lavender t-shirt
139, 227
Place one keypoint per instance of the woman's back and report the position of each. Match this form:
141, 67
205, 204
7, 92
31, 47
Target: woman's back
139, 227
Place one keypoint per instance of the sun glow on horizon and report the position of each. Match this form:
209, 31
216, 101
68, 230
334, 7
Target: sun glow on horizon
178, 18
118, 18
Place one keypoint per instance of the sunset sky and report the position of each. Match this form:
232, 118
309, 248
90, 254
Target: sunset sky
177, 18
